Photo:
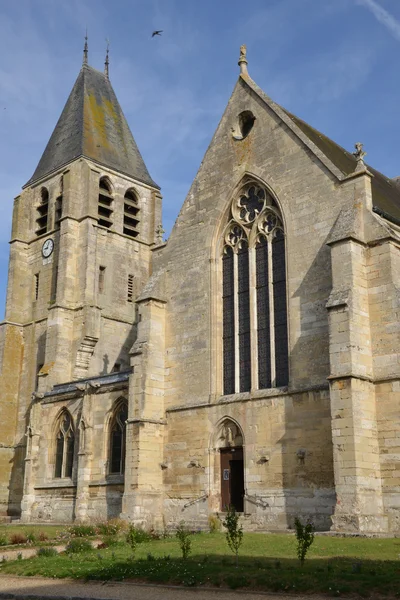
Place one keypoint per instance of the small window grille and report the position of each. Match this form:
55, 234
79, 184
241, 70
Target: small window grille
131, 214
36, 278
105, 209
102, 276
42, 211
130, 288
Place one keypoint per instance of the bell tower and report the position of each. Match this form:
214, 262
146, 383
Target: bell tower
81, 250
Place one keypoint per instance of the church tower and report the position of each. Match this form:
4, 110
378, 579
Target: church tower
81, 250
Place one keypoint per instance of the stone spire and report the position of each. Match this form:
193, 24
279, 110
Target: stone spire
107, 62
85, 51
242, 60
92, 124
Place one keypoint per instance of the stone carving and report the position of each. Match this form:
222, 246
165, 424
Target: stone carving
159, 234
230, 435
243, 52
359, 154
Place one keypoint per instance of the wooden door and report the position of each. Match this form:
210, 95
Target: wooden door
232, 478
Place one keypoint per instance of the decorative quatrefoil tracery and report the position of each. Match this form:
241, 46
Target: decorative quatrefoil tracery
235, 236
269, 223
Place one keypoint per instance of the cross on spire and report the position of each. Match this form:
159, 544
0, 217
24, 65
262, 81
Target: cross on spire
85, 50
107, 62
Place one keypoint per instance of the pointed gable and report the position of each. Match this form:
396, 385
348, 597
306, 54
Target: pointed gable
93, 125
385, 192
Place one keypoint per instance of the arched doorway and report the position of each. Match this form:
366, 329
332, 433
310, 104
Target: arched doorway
231, 465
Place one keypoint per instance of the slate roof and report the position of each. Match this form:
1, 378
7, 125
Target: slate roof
93, 125
385, 192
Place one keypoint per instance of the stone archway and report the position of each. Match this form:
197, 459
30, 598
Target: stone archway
230, 446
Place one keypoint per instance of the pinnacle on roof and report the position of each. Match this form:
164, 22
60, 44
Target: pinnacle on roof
92, 125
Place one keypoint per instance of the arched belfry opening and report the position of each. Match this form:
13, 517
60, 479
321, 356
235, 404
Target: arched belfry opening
230, 445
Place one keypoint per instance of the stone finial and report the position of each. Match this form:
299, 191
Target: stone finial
159, 234
85, 50
359, 154
107, 62
243, 60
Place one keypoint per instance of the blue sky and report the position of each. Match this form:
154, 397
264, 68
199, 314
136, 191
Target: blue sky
332, 62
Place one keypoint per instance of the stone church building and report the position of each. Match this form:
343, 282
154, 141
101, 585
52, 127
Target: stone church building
253, 359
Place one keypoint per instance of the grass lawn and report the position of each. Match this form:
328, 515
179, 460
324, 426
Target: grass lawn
267, 562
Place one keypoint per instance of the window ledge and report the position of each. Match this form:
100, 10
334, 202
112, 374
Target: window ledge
62, 483
110, 480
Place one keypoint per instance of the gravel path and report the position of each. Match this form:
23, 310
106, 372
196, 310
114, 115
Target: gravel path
35, 588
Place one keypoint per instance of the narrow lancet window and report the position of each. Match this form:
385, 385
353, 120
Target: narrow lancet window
118, 439
263, 319
42, 212
228, 321
244, 319
280, 310
65, 442
105, 206
131, 214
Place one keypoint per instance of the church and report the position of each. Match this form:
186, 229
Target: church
252, 360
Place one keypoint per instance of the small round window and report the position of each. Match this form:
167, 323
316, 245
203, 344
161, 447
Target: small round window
244, 125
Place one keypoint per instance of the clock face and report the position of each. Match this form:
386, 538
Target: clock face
47, 248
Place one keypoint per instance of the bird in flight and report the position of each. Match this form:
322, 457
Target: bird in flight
157, 32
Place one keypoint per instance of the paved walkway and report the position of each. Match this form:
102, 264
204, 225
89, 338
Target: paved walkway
60, 589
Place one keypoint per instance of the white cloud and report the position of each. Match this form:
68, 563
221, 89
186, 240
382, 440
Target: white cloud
383, 16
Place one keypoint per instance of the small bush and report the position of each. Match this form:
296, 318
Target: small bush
234, 531
305, 537
139, 534
46, 552
185, 543
18, 538
131, 539
43, 537
77, 545
3, 540
31, 536
19, 556
82, 530
109, 540
214, 523
108, 528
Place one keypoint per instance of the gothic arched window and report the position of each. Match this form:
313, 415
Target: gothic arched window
255, 337
42, 212
105, 206
65, 441
118, 438
131, 214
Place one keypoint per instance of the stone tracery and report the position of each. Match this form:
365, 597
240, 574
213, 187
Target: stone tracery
254, 317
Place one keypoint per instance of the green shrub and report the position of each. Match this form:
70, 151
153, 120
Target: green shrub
3, 539
214, 523
109, 528
82, 530
131, 539
185, 543
77, 545
18, 538
305, 537
31, 536
234, 531
139, 534
110, 540
46, 552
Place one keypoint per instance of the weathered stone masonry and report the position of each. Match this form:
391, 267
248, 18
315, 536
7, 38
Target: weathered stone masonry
115, 316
